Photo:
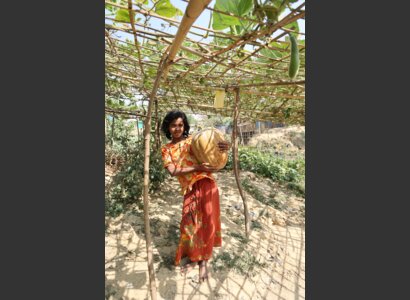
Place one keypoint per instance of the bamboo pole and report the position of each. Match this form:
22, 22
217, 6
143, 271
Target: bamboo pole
272, 83
124, 112
160, 34
235, 161
132, 21
147, 137
157, 125
193, 10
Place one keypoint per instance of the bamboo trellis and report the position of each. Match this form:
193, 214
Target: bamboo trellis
207, 64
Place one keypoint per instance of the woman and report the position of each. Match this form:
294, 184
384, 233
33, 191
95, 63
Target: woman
200, 225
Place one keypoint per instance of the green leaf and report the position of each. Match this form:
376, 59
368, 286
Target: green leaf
237, 7
220, 21
271, 53
238, 29
244, 6
274, 9
279, 45
110, 8
141, 2
294, 26
123, 15
151, 71
271, 12
166, 9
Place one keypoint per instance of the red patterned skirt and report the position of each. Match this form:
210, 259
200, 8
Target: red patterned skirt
201, 224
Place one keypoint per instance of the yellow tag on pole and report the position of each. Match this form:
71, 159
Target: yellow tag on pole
219, 98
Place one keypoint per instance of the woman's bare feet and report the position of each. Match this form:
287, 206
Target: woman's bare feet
203, 270
188, 267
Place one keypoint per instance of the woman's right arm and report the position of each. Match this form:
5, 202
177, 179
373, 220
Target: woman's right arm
174, 171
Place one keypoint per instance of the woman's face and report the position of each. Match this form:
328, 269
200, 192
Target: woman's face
176, 128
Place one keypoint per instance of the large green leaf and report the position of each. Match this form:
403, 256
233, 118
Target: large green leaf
123, 15
244, 6
276, 54
220, 21
166, 9
237, 7
271, 53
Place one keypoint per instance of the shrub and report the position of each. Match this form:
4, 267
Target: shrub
127, 152
268, 165
127, 186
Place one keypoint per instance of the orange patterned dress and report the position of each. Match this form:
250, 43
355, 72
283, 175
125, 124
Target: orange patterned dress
200, 225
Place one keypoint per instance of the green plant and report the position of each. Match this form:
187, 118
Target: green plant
242, 239
297, 187
238, 221
258, 195
268, 165
244, 264
127, 185
256, 225
113, 208
118, 140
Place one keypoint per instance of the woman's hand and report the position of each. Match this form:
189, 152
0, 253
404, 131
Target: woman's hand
205, 167
223, 146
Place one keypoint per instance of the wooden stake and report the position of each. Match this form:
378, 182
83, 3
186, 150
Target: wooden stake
235, 161
157, 125
147, 137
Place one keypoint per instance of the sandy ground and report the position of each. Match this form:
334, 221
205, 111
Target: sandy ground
277, 244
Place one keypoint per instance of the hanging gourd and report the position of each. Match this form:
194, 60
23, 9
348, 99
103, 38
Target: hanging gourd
219, 98
205, 147
294, 57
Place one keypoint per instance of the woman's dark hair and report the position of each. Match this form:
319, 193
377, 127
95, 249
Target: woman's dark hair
171, 116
